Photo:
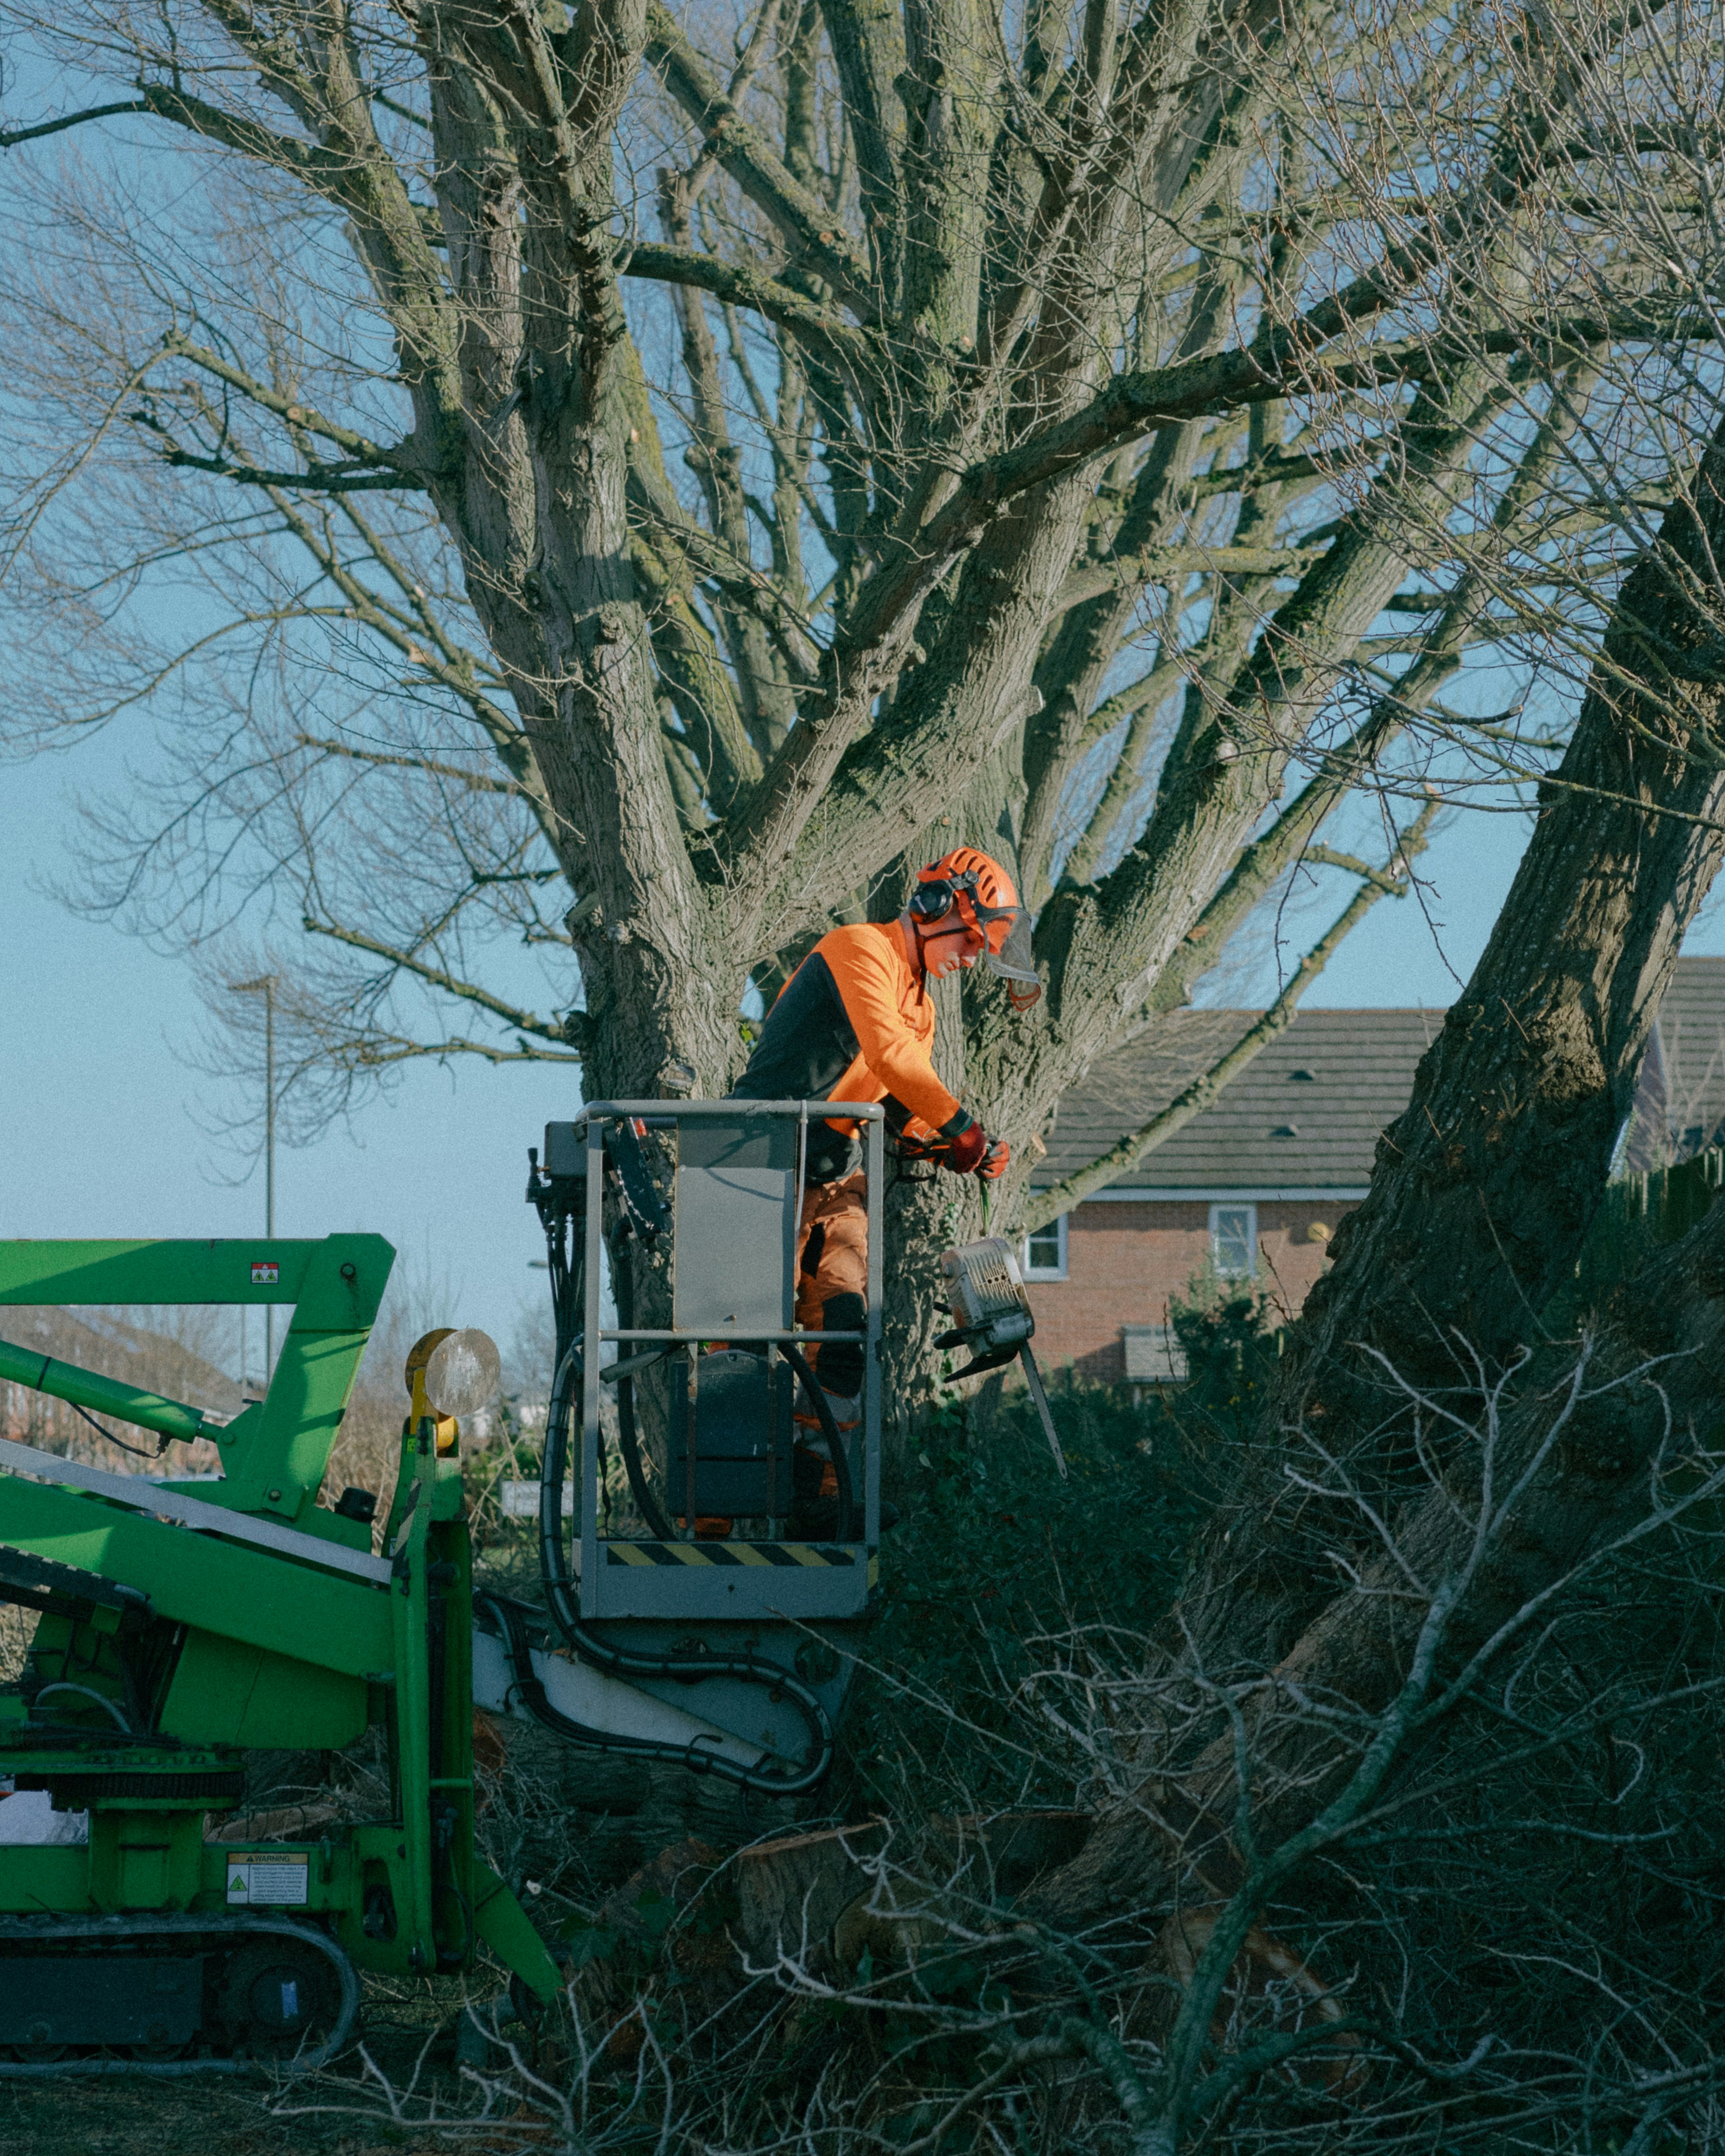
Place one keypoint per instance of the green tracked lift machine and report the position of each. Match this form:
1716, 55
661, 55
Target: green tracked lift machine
183, 1625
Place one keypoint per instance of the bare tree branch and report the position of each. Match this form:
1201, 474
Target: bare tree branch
570, 1031
1394, 881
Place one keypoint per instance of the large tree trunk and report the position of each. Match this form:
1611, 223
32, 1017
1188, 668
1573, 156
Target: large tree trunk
550, 408
1484, 1188
1483, 1191
1652, 1372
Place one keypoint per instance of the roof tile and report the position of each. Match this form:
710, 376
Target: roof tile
1308, 1110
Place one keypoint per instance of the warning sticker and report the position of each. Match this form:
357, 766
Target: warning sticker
265, 1273
258, 1877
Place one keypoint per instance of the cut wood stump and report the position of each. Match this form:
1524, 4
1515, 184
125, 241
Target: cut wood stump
790, 1891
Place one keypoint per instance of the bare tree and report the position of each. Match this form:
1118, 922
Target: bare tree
632, 507
523, 461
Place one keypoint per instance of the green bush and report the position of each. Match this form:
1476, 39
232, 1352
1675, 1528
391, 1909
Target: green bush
1231, 1341
993, 1552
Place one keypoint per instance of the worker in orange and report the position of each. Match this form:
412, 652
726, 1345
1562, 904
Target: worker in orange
855, 1022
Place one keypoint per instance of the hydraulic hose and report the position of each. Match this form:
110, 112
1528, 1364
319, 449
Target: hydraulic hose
626, 1662
111, 1706
510, 1620
819, 1402
622, 1287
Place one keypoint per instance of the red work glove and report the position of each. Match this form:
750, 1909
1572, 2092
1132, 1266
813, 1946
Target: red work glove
994, 1161
969, 1148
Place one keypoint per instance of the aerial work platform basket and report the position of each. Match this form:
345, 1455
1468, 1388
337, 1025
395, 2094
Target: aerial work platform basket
735, 1371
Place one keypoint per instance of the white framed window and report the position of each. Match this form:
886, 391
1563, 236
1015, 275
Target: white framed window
1233, 1240
1043, 1253
1153, 1356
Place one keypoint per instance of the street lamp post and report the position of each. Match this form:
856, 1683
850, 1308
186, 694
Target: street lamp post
264, 985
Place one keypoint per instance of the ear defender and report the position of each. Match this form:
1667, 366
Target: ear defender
930, 900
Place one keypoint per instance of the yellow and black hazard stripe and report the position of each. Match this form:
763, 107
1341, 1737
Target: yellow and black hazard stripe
721, 1553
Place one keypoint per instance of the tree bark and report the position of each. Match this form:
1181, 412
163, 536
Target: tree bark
1481, 1197
1483, 1189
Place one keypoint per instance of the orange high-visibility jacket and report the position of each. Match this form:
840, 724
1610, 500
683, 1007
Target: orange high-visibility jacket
854, 1022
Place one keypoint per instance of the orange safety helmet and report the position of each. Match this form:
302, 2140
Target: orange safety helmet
988, 905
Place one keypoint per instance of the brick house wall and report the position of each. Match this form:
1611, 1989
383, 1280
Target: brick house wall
1125, 1260
1294, 1136
1296, 1133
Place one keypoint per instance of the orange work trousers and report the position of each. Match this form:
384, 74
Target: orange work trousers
832, 1289
832, 1249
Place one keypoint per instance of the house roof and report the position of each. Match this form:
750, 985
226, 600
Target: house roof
1305, 1113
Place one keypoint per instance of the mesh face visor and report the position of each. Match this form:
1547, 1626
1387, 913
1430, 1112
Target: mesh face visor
1005, 932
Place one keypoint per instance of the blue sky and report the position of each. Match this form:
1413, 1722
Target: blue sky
106, 1125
